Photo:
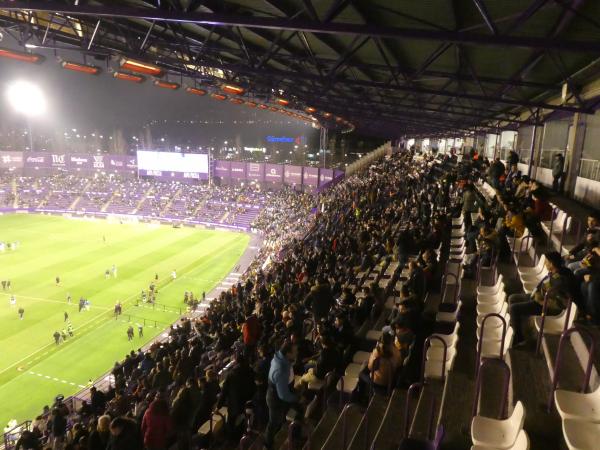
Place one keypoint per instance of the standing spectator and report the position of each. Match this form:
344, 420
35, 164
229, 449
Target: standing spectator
279, 396
58, 428
157, 426
238, 389
251, 332
558, 165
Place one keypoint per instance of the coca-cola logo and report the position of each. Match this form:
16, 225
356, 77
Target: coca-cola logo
35, 159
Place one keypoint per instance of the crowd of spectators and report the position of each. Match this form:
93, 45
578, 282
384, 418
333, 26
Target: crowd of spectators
295, 316
268, 337
522, 204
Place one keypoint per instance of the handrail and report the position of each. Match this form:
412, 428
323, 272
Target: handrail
504, 366
344, 415
444, 286
557, 360
553, 217
538, 345
292, 429
481, 335
411, 389
524, 239
426, 346
216, 412
329, 376
563, 231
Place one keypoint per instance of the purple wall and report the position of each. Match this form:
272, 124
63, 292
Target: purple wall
325, 176
310, 176
292, 174
255, 171
238, 170
222, 169
274, 173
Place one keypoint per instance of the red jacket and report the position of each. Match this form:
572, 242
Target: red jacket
251, 330
157, 426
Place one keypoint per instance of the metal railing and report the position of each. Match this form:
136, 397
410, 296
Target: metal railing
590, 169
426, 347
481, 337
538, 345
506, 385
557, 361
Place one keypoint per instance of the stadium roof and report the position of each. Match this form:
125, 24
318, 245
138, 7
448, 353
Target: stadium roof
391, 68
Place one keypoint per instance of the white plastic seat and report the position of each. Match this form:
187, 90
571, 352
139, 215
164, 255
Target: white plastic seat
491, 347
528, 270
437, 353
496, 433
353, 369
491, 299
449, 339
534, 278
581, 435
493, 321
360, 357
350, 384
374, 335
484, 309
578, 406
522, 443
450, 316
491, 333
458, 222
492, 290
556, 324
433, 368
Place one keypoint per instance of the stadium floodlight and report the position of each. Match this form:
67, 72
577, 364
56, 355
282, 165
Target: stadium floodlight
166, 85
195, 91
310, 109
26, 98
219, 96
21, 56
232, 89
140, 67
282, 101
128, 77
82, 68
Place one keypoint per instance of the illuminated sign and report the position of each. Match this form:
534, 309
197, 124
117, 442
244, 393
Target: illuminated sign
298, 140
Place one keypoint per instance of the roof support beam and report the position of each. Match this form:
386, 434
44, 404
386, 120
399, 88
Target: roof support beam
486, 16
229, 20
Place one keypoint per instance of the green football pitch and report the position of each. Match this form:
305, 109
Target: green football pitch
33, 369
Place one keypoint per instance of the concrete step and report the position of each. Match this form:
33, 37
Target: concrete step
323, 428
390, 431
370, 422
343, 430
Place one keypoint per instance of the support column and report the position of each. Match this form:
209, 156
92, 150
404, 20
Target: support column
574, 153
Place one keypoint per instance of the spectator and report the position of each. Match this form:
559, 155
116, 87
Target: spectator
556, 287
124, 435
279, 396
100, 436
558, 165
157, 426
238, 388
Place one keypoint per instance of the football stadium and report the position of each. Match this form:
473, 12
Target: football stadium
299, 225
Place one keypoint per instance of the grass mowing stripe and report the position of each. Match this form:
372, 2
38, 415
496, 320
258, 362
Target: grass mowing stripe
196, 253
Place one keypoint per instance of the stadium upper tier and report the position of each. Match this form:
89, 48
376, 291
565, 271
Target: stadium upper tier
226, 206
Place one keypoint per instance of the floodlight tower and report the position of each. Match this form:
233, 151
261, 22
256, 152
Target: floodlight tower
27, 99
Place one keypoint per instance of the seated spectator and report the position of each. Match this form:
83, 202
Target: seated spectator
382, 365
328, 360
556, 287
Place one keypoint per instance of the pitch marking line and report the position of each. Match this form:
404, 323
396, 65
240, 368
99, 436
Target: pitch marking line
47, 300
58, 380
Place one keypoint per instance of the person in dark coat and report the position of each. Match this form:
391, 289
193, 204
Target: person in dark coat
124, 435
157, 426
100, 436
238, 389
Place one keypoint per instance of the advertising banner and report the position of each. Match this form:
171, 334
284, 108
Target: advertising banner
37, 160
310, 176
325, 176
11, 160
222, 169
292, 174
274, 173
79, 162
238, 170
120, 163
255, 171
166, 175
58, 161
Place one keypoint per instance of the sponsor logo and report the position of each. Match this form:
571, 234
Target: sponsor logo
237, 169
116, 163
154, 173
35, 159
58, 159
191, 175
98, 162
78, 160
